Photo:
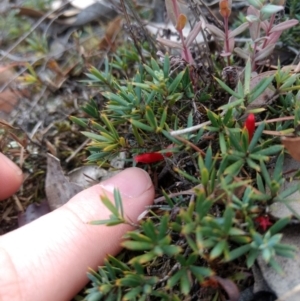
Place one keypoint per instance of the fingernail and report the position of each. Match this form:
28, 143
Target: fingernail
10, 164
131, 182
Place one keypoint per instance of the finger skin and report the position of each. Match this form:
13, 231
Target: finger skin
48, 258
10, 177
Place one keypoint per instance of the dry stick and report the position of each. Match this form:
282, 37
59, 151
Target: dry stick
32, 29
124, 10
208, 57
142, 27
175, 194
295, 290
196, 148
77, 150
277, 133
217, 22
190, 129
201, 125
275, 120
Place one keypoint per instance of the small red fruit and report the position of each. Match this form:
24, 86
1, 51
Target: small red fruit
148, 158
250, 125
263, 222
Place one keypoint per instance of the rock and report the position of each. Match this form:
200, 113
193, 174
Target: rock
278, 209
286, 285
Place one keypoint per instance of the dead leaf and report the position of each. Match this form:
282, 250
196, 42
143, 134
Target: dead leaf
292, 206
6, 125
33, 212
95, 12
292, 144
65, 18
9, 97
8, 100
58, 188
89, 175
112, 30
229, 287
284, 283
263, 98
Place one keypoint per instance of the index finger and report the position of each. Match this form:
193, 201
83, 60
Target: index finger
10, 177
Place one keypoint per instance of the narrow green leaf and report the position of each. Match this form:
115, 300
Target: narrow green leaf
228, 89
137, 245
137, 237
166, 67
200, 272
171, 250
238, 252
252, 256
253, 165
279, 166
116, 98
214, 118
204, 176
236, 141
218, 249
274, 264
228, 219
280, 224
141, 125
289, 82
95, 137
173, 280
106, 222
256, 137
154, 65
108, 123
78, 121
231, 105
289, 191
171, 138
222, 143
173, 86
151, 117
151, 72
272, 150
137, 136
109, 205
118, 202
260, 88
260, 184
265, 173
185, 285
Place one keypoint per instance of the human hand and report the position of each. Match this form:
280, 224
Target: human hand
10, 177
48, 258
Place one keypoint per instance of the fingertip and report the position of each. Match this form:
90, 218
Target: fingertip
136, 190
132, 183
11, 177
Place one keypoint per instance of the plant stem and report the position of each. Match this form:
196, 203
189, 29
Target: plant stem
227, 39
272, 19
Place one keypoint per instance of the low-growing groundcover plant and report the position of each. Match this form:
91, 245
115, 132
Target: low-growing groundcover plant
213, 152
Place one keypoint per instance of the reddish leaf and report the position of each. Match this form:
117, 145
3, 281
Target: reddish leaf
229, 286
